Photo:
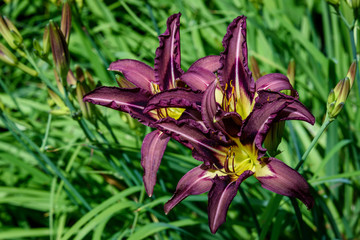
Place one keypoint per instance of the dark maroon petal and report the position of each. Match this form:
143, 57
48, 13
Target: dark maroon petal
210, 63
209, 108
191, 114
152, 151
296, 111
269, 108
198, 78
232, 122
207, 145
136, 72
167, 61
221, 194
286, 181
177, 97
274, 82
235, 71
132, 101
194, 182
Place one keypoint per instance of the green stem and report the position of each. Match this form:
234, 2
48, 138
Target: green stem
314, 141
26, 69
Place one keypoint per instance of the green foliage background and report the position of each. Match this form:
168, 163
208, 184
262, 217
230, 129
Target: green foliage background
57, 182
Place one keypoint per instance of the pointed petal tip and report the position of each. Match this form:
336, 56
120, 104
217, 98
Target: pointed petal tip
285, 181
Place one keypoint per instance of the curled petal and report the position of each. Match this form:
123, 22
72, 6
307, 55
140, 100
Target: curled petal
221, 194
197, 181
207, 146
167, 61
265, 111
209, 108
235, 71
136, 72
132, 101
177, 97
210, 63
152, 151
198, 78
274, 82
296, 111
277, 177
271, 107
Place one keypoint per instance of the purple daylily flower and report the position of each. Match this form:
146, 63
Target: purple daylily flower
237, 114
151, 87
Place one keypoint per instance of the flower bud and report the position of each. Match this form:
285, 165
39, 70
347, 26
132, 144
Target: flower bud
339, 94
37, 49
273, 137
84, 107
66, 21
10, 33
255, 68
59, 50
46, 40
71, 79
6, 56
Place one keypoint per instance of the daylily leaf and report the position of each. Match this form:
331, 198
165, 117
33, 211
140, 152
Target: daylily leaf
152, 151
167, 61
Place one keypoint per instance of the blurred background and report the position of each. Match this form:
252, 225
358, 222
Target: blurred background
72, 171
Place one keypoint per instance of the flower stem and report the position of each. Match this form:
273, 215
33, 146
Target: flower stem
26, 69
314, 141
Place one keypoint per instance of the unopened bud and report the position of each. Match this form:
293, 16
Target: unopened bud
59, 50
37, 48
10, 33
71, 80
273, 137
340, 93
46, 40
66, 21
80, 92
79, 74
6, 56
255, 68
291, 72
